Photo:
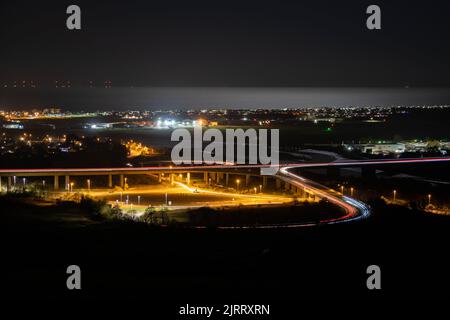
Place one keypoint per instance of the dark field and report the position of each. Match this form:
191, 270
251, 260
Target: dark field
121, 260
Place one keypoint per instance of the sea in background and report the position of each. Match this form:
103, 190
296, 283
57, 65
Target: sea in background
165, 98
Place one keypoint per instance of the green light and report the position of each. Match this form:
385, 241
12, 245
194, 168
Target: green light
328, 129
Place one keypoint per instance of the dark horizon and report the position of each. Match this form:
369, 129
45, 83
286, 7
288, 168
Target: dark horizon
154, 98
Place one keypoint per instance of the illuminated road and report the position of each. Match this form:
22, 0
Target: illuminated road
353, 209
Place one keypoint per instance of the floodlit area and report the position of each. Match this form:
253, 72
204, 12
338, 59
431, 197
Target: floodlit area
180, 196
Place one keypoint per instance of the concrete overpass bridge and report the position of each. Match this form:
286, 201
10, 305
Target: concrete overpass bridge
226, 175
368, 167
217, 174
293, 182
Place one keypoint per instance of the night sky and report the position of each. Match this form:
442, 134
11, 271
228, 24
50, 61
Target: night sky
227, 43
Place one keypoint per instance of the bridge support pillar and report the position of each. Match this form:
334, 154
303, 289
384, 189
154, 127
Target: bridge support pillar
293, 189
301, 192
287, 186
227, 179
159, 177
110, 181
247, 180
9, 184
188, 178
172, 178
264, 182
278, 184
122, 184
205, 177
1, 184
56, 182
218, 177
67, 182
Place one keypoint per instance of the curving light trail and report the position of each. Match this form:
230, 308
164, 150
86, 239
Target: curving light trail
353, 208
344, 163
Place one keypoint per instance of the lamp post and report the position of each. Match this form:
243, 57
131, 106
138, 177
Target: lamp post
429, 198
351, 191
89, 185
237, 184
260, 188
139, 200
395, 195
342, 189
71, 186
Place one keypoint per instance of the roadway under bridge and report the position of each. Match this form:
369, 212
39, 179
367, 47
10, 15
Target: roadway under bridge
229, 174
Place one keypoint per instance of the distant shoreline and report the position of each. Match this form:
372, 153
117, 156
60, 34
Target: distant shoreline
181, 98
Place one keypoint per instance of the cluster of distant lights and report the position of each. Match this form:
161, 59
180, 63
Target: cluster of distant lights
243, 112
57, 84
170, 123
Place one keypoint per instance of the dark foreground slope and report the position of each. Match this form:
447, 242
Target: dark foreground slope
121, 259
